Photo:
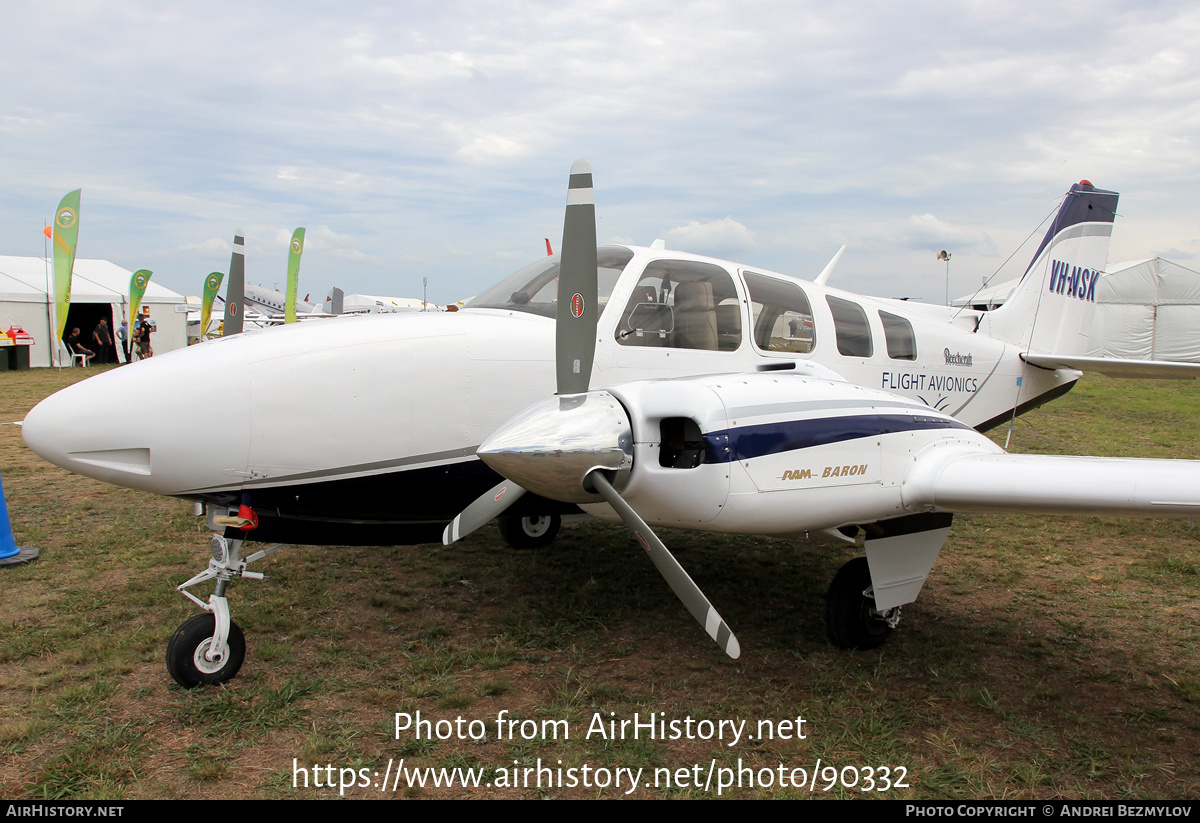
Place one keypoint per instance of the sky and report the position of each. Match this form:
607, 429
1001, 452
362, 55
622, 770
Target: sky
433, 139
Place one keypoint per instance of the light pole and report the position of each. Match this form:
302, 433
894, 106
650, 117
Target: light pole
945, 255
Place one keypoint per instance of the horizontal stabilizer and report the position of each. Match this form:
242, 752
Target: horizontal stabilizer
946, 480
1113, 367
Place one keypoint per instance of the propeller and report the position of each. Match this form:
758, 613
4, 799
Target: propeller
484, 508
577, 447
574, 333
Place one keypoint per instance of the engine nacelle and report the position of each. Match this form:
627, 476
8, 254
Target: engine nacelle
772, 453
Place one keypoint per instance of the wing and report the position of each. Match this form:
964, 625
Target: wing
967, 481
1113, 367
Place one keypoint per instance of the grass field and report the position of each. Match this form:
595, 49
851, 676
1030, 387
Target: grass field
1048, 657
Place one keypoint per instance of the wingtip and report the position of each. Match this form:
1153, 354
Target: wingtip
580, 166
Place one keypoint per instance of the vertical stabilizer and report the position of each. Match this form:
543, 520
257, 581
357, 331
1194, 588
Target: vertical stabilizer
1051, 308
235, 290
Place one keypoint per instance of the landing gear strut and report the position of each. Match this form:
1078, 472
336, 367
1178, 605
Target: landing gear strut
209, 648
851, 618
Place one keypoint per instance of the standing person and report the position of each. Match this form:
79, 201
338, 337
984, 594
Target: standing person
123, 336
143, 338
103, 338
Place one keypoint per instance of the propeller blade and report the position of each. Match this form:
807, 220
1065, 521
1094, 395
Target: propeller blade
575, 330
679, 580
491, 503
235, 289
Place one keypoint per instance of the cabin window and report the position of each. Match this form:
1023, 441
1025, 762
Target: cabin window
898, 333
851, 327
681, 304
783, 318
534, 289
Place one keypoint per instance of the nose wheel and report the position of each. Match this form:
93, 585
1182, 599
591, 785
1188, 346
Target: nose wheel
193, 658
209, 648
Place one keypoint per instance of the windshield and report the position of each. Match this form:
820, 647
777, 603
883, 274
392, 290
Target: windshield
535, 288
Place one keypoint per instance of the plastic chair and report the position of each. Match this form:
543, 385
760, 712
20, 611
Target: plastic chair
82, 358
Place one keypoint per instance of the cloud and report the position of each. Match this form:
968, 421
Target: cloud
1176, 254
212, 244
922, 231
722, 236
421, 126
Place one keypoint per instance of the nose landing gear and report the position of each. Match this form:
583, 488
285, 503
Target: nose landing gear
193, 657
208, 649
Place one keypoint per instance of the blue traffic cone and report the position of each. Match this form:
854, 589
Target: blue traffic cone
10, 555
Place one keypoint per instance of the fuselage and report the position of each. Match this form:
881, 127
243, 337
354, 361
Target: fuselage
364, 429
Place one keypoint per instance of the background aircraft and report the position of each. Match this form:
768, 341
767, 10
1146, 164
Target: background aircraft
272, 301
692, 393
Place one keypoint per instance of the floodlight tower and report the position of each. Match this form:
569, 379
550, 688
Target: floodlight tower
945, 255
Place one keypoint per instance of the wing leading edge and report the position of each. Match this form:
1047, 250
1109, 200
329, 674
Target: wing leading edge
960, 481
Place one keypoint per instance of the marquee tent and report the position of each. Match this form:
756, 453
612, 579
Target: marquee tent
98, 289
1148, 310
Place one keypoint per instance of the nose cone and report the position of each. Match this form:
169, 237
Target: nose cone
76, 429
147, 426
552, 446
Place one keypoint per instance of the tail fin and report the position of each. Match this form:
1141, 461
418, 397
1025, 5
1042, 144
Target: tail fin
1051, 308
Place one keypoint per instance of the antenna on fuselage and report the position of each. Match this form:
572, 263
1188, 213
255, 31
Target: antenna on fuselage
823, 277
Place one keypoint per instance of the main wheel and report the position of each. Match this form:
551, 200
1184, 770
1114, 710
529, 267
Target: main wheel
186, 661
850, 615
530, 532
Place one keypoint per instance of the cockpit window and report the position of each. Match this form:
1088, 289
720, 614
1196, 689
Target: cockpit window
681, 304
535, 288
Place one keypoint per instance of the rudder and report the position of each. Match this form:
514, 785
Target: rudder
1051, 308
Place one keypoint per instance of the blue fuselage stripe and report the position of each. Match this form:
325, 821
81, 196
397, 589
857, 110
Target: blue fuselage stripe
747, 442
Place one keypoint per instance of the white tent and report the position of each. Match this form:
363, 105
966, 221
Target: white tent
1145, 310
988, 297
25, 301
1148, 310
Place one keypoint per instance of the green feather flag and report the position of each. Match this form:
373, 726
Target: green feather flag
65, 237
212, 285
137, 287
293, 281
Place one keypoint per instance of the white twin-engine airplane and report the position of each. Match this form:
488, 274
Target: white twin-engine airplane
668, 390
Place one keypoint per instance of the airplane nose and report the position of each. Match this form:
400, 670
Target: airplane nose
138, 426
70, 430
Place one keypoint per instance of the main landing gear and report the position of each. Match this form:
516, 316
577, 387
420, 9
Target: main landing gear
851, 618
530, 532
209, 648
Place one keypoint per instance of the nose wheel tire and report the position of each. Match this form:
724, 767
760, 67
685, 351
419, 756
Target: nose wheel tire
850, 614
189, 659
530, 532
